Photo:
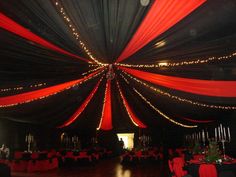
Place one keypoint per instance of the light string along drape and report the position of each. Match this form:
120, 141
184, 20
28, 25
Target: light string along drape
82, 107
184, 100
106, 117
163, 15
43, 93
184, 62
195, 86
136, 121
75, 32
13, 27
157, 110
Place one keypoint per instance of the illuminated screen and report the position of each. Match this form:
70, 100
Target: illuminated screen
128, 139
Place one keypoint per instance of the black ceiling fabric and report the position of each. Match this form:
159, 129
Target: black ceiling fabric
106, 27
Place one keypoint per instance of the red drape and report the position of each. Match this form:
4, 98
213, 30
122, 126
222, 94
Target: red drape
197, 121
163, 15
106, 119
10, 25
39, 94
196, 86
130, 112
81, 108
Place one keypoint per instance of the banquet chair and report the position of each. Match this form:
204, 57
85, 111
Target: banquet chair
207, 170
178, 164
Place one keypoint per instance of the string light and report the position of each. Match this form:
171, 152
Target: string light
103, 107
92, 70
76, 34
183, 63
161, 113
82, 107
179, 98
123, 100
22, 87
43, 97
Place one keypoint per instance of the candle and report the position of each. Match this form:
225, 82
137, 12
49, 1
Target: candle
229, 134
207, 135
224, 133
219, 133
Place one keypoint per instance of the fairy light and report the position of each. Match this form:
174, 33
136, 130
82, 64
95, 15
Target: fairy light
122, 96
162, 114
179, 98
82, 108
43, 97
182, 63
22, 87
92, 70
75, 33
103, 108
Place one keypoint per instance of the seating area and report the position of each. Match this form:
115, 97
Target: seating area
198, 167
150, 154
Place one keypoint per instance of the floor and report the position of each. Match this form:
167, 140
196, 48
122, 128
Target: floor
105, 168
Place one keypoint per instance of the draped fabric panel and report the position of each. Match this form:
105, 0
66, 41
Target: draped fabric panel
10, 25
163, 15
106, 119
41, 93
136, 121
81, 108
195, 86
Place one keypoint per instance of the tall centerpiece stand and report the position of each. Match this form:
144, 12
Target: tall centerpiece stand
29, 138
223, 136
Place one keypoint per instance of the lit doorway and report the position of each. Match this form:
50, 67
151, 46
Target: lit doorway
128, 139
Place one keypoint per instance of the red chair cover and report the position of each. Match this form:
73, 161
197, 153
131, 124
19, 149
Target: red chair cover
207, 170
178, 164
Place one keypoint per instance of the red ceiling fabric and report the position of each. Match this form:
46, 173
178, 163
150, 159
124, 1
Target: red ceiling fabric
82, 107
106, 119
41, 93
10, 25
197, 121
130, 112
162, 15
195, 86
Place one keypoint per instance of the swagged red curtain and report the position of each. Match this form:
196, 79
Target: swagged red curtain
195, 86
162, 15
41, 93
81, 108
106, 118
136, 121
10, 25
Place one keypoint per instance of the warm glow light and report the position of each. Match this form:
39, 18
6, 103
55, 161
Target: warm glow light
163, 64
128, 139
160, 44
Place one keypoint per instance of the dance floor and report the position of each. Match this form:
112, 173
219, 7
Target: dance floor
105, 168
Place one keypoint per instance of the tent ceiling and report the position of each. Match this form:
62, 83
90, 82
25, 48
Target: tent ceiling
106, 27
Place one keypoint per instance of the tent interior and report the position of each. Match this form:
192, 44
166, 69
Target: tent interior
94, 68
